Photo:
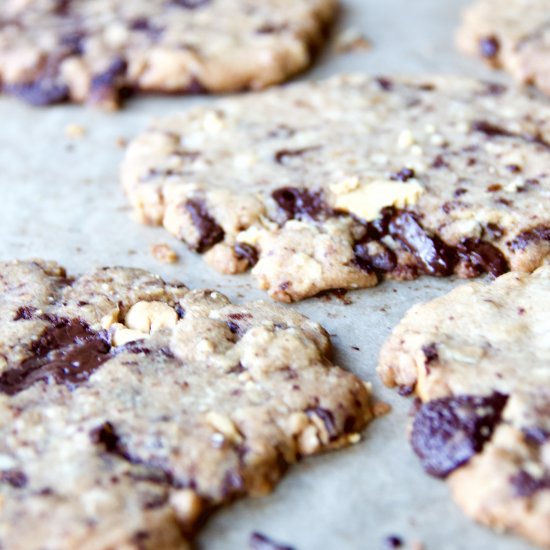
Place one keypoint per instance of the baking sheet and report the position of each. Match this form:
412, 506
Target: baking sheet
60, 199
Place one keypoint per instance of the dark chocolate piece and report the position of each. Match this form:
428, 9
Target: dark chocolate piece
247, 252
489, 47
25, 313
16, 478
40, 93
405, 174
67, 352
530, 236
435, 257
326, 416
525, 485
448, 432
300, 203
482, 257
210, 233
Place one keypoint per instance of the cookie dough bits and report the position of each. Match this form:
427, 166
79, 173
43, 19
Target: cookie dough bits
97, 52
479, 359
131, 407
337, 184
514, 35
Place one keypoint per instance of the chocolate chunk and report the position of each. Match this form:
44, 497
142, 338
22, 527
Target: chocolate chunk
530, 236
210, 233
482, 257
261, 542
393, 541
106, 436
405, 174
536, 435
489, 47
435, 257
326, 416
191, 4
382, 261
525, 485
25, 312
247, 252
15, 478
430, 353
385, 83
67, 352
41, 92
108, 77
440, 162
283, 154
448, 432
300, 203
180, 311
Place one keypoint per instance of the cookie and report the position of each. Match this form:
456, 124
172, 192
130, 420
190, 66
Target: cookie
131, 407
337, 184
514, 35
479, 360
98, 52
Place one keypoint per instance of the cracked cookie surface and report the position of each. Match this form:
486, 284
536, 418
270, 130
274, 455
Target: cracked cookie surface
479, 360
53, 51
131, 407
514, 35
336, 184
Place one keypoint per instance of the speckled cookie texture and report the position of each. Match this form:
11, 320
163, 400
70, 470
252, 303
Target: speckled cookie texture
130, 407
342, 182
99, 51
479, 360
514, 35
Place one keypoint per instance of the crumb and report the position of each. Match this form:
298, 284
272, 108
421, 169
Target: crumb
121, 142
381, 408
356, 348
393, 541
164, 253
74, 131
351, 40
416, 545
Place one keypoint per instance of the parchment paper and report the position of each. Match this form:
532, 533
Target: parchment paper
60, 199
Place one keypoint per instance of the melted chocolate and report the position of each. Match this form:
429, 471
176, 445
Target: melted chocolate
448, 432
67, 352
261, 542
25, 313
210, 233
300, 203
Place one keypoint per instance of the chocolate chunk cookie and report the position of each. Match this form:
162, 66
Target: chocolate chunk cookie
131, 407
514, 35
479, 360
338, 184
54, 51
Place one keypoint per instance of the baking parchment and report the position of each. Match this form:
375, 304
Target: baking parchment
60, 199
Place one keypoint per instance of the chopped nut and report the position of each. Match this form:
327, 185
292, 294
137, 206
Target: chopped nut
149, 317
164, 253
380, 409
74, 131
121, 142
351, 40
308, 441
367, 200
123, 335
107, 321
225, 426
187, 505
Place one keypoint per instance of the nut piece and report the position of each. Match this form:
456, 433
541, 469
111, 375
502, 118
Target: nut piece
123, 335
367, 200
149, 317
164, 253
225, 426
187, 505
